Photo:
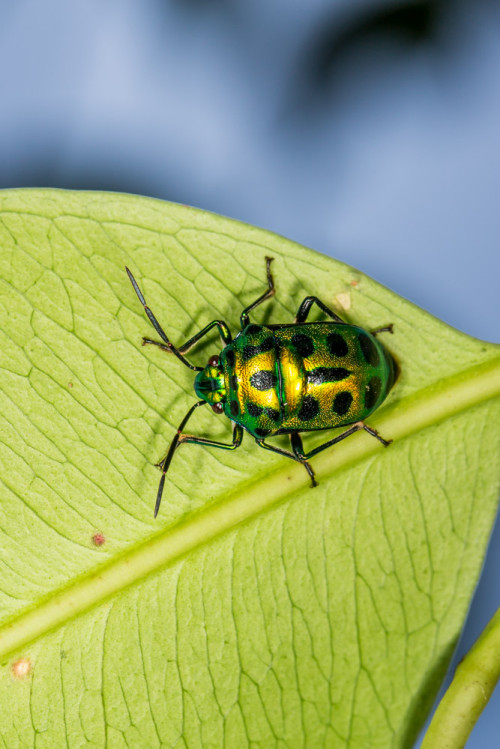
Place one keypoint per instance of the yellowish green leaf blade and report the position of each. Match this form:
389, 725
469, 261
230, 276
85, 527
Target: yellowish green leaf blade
254, 611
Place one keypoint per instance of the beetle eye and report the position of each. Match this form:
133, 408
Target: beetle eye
213, 361
217, 408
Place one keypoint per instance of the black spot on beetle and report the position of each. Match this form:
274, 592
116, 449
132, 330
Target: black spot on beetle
263, 380
336, 344
251, 351
262, 432
253, 330
233, 382
369, 350
320, 375
253, 409
234, 407
372, 393
342, 403
229, 356
273, 414
303, 344
309, 408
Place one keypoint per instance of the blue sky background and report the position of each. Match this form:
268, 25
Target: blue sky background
368, 130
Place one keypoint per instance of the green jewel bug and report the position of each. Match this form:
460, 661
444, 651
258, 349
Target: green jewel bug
285, 379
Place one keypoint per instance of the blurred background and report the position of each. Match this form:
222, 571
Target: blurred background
366, 129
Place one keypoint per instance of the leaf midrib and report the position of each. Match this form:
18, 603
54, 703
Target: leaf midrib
423, 409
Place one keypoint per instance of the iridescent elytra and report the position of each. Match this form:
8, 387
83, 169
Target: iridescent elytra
284, 379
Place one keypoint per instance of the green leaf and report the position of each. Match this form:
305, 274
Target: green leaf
254, 610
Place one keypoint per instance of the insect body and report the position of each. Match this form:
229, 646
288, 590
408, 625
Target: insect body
285, 379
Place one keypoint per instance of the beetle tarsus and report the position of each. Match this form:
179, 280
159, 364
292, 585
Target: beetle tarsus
244, 317
310, 471
385, 329
374, 433
163, 346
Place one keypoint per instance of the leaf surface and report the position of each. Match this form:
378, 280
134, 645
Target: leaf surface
254, 611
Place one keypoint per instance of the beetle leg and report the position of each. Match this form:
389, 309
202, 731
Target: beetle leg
165, 463
298, 450
384, 329
354, 428
375, 434
221, 327
298, 458
244, 318
237, 437
181, 438
306, 305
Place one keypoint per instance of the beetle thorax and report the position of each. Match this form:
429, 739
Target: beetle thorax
209, 384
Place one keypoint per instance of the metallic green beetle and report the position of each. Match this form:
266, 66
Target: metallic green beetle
285, 379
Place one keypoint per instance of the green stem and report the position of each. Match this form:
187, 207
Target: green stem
473, 683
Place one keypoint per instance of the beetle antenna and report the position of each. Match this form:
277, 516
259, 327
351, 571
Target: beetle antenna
176, 442
156, 325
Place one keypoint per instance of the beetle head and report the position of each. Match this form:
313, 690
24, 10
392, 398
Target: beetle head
209, 384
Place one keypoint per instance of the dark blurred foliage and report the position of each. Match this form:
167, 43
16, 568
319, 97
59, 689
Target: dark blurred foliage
321, 59
375, 34
405, 26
